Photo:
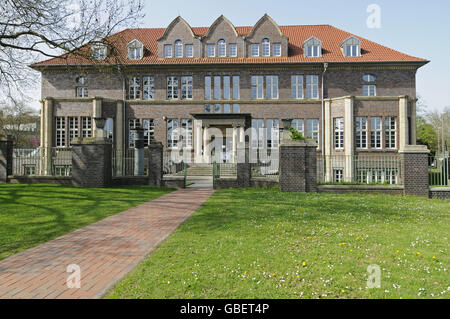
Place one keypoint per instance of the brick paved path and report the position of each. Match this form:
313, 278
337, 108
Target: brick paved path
105, 250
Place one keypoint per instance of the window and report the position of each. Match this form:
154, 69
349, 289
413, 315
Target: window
217, 108
134, 90
312, 47
339, 133
226, 88
390, 130
298, 124
272, 87
211, 50
297, 86
235, 108
189, 50
375, 132
361, 132
312, 129
368, 78
221, 48
29, 169
60, 132
172, 88
236, 87
277, 49
361, 175
81, 89
149, 131
232, 50
186, 87
369, 90
135, 50
98, 51
338, 174
265, 45
172, 133
168, 51
207, 108
272, 133
226, 108
108, 130
217, 93
257, 133
132, 124
257, 87
351, 47
207, 88
178, 49
148, 92
186, 132
254, 49
73, 128
86, 127
312, 86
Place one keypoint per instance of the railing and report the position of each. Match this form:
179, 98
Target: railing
438, 170
361, 169
42, 161
124, 163
226, 170
265, 170
171, 166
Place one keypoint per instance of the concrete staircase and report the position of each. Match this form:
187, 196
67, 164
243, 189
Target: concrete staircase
207, 170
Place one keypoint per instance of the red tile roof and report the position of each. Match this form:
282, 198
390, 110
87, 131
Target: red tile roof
330, 36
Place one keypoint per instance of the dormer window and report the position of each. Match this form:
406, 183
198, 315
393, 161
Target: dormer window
189, 50
135, 50
178, 49
168, 51
351, 47
232, 50
98, 51
254, 49
312, 48
221, 48
277, 49
211, 50
265, 44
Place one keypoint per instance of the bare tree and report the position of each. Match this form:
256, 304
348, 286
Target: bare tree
32, 29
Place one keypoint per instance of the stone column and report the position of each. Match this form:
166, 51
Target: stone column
206, 145
235, 143
328, 141
155, 164
198, 136
243, 166
96, 113
119, 138
91, 162
415, 170
47, 138
403, 122
349, 145
413, 122
6, 158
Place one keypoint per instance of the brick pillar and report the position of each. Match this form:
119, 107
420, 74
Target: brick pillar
91, 162
155, 164
6, 158
243, 167
311, 166
415, 170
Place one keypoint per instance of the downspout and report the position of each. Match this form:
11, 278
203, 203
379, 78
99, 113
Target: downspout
325, 67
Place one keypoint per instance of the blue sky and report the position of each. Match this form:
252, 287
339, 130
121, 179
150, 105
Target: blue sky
416, 27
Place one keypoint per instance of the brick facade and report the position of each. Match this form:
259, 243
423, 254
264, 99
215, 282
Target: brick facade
415, 174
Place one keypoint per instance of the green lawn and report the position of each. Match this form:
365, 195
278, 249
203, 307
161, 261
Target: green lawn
33, 214
261, 243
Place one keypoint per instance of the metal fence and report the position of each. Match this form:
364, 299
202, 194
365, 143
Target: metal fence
124, 162
42, 161
438, 170
363, 169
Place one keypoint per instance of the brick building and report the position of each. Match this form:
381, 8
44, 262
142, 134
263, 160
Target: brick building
351, 95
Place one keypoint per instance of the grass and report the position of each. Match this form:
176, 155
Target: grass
33, 214
261, 243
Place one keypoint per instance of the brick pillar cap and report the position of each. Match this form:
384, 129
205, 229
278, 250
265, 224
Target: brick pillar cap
90, 141
415, 149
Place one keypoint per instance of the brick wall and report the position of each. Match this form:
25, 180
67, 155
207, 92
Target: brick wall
415, 174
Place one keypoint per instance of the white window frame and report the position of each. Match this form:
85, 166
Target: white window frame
221, 48
172, 88
135, 50
236, 87
297, 86
257, 83
178, 48
134, 88
148, 88
313, 51
312, 86
86, 126
265, 47
211, 50
236, 108
338, 128
108, 129
369, 90
186, 87
254, 49
257, 135
189, 50
272, 133
276, 48
232, 50
186, 133
376, 129
172, 133
352, 50
208, 88
390, 132
99, 51
227, 87
81, 91
73, 128
361, 132
272, 87
299, 125
149, 130
60, 130
312, 129
168, 51
217, 89
338, 174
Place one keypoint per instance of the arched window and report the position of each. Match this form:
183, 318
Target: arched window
81, 80
178, 49
221, 48
135, 50
265, 47
368, 78
369, 88
81, 89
